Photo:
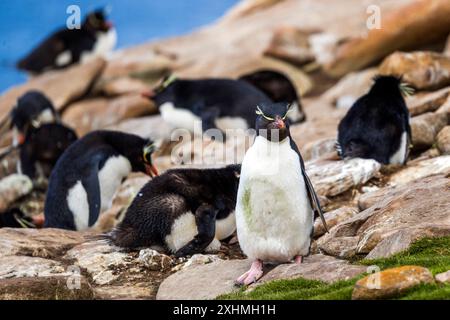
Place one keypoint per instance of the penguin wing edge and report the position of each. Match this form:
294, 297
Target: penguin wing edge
315, 203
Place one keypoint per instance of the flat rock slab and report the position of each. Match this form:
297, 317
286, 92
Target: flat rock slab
395, 218
315, 267
20, 266
135, 292
390, 283
208, 281
100, 260
44, 243
45, 288
331, 178
421, 169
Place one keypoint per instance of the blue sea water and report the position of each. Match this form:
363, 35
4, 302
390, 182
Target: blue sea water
24, 23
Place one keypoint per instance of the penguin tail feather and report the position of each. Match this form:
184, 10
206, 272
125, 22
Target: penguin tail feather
354, 149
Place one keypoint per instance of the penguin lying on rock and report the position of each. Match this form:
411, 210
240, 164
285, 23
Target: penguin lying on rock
279, 88
96, 37
184, 211
88, 174
276, 202
211, 103
377, 125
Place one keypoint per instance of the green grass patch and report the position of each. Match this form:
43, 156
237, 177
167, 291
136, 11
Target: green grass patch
433, 254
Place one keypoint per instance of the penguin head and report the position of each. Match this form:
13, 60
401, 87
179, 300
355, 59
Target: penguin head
272, 121
15, 218
32, 110
97, 21
164, 91
147, 152
389, 86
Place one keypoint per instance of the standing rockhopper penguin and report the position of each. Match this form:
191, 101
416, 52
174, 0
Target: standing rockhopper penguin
184, 211
377, 125
88, 174
96, 37
276, 202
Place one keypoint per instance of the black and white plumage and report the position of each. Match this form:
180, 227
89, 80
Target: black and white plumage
88, 174
42, 148
278, 87
200, 105
96, 37
32, 110
377, 125
183, 211
276, 201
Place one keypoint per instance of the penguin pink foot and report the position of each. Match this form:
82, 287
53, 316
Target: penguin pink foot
252, 275
298, 259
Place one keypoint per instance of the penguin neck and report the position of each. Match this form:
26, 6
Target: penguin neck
268, 147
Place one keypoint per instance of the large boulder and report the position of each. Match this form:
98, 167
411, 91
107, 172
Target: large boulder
416, 210
423, 70
424, 129
401, 29
443, 140
331, 178
427, 101
290, 44
99, 113
390, 283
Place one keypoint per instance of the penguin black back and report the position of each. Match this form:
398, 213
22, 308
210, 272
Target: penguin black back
87, 175
377, 125
66, 47
279, 88
210, 100
32, 109
42, 148
205, 197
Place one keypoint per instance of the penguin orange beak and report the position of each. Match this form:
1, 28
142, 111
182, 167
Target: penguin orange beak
21, 139
149, 94
38, 220
109, 24
151, 170
279, 123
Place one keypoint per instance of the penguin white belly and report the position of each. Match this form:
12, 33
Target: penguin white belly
110, 178
184, 229
106, 41
399, 156
273, 213
225, 227
180, 118
77, 201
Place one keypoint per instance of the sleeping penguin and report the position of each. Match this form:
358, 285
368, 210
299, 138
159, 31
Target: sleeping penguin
279, 88
42, 148
88, 174
183, 211
276, 202
200, 105
96, 37
377, 125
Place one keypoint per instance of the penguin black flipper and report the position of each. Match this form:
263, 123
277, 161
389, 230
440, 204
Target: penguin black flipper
314, 200
92, 186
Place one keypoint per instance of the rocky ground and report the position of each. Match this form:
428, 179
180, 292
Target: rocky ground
375, 212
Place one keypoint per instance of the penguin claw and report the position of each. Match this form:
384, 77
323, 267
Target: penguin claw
252, 275
298, 259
